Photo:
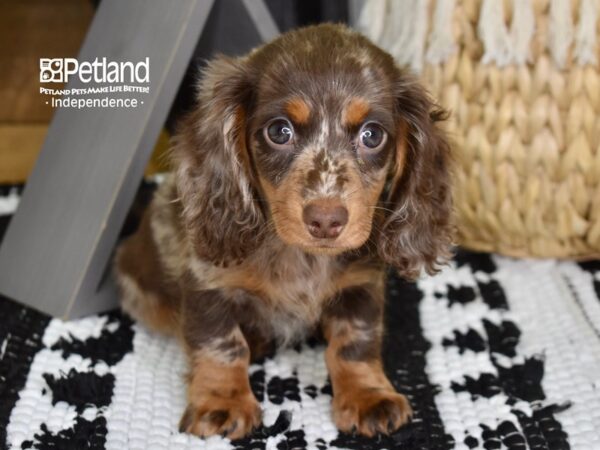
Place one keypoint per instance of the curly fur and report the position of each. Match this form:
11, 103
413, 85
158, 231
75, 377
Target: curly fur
224, 258
213, 174
417, 234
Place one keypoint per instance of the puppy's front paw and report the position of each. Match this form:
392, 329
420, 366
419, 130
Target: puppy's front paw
370, 411
230, 417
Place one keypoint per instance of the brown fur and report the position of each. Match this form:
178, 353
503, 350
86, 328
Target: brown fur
355, 112
298, 110
160, 305
220, 399
363, 398
223, 259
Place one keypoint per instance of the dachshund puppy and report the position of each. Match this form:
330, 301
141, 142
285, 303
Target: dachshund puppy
308, 166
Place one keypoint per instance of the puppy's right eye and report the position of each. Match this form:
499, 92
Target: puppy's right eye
372, 136
279, 132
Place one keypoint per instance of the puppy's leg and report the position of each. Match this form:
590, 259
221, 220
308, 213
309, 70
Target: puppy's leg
220, 400
147, 294
363, 398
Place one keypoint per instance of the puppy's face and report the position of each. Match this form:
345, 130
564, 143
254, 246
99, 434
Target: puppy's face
323, 135
319, 135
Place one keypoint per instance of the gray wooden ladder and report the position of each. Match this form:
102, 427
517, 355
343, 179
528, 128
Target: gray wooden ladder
56, 253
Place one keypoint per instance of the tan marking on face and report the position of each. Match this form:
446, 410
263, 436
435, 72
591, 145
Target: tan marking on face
285, 204
361, 205
298, 110
290, 196
355, 112
401, 148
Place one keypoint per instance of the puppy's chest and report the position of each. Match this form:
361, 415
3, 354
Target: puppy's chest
295, 288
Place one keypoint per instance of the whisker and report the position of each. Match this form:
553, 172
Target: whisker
267, 227
382, 208
351, 193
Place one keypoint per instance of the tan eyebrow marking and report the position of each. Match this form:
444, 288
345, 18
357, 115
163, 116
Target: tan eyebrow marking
298, 110
401, 147
355, 112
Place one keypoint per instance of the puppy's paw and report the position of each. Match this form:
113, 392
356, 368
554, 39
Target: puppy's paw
230, 417
371, 411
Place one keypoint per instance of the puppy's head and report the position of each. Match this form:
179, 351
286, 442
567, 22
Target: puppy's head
321, 137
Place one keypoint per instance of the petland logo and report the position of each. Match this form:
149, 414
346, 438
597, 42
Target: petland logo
60, 70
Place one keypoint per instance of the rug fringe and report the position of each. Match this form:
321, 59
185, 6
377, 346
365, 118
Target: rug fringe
441, 42
560, 36
585, 38
408, 43
522, 30
493, 32
422, 31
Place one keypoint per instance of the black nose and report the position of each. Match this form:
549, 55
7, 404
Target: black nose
325, 220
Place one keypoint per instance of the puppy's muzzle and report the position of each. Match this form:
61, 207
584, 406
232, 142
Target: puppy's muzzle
325, 219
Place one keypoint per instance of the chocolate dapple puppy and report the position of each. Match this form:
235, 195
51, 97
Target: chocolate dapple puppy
306, 168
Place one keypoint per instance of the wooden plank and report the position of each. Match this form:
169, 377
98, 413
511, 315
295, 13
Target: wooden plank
354, 9
57, 246
19, 148
30, 30
20, 145
261, 18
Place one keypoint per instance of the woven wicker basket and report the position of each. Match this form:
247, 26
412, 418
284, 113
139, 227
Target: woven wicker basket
521, 82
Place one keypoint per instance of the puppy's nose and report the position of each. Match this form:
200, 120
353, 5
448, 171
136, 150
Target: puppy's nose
325, 219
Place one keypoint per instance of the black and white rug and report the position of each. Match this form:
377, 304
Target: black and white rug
494, 353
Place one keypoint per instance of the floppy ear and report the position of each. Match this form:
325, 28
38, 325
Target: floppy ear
214, 170
416, 233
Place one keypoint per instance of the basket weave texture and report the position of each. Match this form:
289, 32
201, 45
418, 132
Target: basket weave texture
526, 136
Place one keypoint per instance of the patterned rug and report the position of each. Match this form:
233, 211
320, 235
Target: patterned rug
493, 353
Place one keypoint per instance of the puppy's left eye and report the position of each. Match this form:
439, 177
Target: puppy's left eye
279, 132
372, 136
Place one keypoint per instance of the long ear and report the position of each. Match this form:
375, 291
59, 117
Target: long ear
417, 233
214, 174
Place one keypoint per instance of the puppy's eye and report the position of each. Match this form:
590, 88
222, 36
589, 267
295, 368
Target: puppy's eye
279, 132
372, 136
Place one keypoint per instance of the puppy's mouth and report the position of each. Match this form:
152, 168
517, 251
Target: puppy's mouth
316, 246
333, 246
323, 248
